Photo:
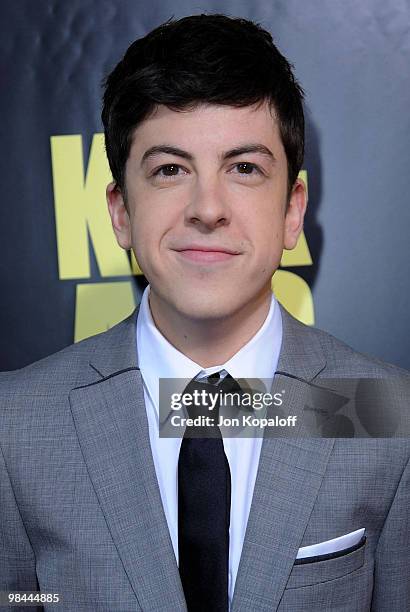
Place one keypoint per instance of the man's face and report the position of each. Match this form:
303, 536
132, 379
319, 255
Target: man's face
207, 195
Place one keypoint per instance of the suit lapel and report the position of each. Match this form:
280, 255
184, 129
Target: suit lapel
289, 476
112, 427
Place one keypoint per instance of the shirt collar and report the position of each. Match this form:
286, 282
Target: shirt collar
158, 358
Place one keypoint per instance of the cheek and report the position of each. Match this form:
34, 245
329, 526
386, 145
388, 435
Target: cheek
142, 238
155, 212
148, 231
268, 234
269, 249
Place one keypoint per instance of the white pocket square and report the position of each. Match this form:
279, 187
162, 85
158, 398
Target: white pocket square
331, 546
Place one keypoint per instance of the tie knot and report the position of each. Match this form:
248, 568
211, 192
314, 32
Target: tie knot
214, 378
205, 394
223, 383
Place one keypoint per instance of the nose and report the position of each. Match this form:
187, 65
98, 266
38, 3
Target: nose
208, 206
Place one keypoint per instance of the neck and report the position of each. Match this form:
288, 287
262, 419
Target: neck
210, 342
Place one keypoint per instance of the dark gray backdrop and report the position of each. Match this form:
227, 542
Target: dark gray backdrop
352, 59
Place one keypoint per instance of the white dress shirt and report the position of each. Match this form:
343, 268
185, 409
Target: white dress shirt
157, 358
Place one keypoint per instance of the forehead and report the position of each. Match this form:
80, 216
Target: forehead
209, 126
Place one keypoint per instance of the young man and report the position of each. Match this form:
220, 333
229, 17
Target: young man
204, 134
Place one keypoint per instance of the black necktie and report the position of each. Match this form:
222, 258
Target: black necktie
204, 503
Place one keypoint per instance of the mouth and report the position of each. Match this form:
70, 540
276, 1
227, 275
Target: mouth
202, 254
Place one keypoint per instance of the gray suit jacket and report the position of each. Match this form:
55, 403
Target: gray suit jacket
81, 512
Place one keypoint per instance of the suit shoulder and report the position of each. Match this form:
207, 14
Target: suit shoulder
57, 371
343, 360
71, 366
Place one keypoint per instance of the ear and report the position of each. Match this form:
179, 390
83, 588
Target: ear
295, 214
119, 216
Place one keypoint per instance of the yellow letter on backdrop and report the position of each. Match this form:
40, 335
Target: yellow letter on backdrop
81, 210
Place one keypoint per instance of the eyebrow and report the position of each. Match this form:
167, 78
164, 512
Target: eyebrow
235, 152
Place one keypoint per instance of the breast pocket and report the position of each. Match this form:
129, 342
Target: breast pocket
314, 570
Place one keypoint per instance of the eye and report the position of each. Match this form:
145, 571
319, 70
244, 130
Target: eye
168, 171
247, 169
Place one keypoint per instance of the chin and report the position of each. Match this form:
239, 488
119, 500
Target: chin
207, 307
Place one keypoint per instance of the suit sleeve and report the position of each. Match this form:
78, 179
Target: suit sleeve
391, 590
17, 560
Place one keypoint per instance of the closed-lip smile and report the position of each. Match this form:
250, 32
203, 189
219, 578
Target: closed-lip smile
207, 249
200, 253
